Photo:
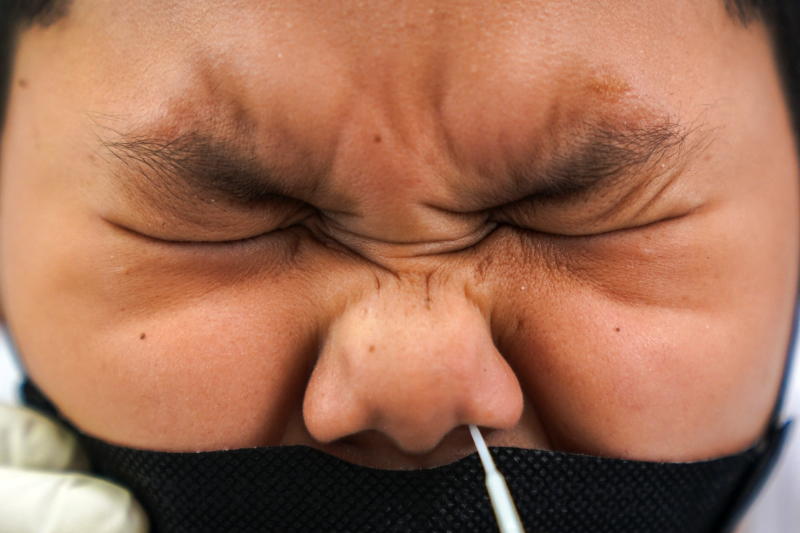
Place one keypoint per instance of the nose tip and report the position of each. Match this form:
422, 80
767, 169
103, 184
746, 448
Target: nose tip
414, 412
413, 380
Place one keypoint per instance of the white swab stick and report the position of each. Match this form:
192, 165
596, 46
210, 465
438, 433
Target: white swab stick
504, 510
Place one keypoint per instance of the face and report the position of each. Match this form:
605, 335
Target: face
263, 223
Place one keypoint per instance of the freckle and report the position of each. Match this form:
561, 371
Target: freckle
616, 329
371, 348
377, 138
142, 336
22, 83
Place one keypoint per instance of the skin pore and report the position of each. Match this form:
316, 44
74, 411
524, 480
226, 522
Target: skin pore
258, 223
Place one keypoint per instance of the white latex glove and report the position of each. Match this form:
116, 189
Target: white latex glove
40, 490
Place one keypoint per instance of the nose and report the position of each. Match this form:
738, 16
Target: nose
412, 367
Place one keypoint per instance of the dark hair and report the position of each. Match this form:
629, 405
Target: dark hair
783, 21
35, 11
782, 17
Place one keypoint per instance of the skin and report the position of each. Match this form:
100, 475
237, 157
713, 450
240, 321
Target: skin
410, 302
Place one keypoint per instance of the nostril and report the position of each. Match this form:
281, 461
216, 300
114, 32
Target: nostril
375, 449
415, 424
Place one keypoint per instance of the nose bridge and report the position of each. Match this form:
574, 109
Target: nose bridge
389, 177
412, 360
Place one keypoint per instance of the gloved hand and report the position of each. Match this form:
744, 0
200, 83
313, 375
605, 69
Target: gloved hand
40, 490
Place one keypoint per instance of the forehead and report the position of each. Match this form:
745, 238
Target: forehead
478, 70
404, 55
479, 82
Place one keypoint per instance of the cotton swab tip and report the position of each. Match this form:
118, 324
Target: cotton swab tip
505, 512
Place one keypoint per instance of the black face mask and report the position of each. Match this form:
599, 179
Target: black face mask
297, 488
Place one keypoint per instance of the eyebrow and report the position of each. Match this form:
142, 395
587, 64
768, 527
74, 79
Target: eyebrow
195, 164
201, 165
605, 156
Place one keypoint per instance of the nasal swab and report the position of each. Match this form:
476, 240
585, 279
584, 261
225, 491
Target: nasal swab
504, 510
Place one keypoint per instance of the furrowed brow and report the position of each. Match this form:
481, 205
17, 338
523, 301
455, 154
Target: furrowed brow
198, 165
607, 155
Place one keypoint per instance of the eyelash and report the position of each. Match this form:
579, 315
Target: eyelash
576, 239
187, 244
226, 244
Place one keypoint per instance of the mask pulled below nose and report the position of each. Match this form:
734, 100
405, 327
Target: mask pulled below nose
299, 489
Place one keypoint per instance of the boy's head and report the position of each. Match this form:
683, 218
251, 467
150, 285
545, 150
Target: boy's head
361, 228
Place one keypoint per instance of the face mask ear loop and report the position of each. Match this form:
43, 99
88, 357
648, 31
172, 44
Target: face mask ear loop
505, 512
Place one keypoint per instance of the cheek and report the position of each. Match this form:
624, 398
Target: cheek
611, 380
651, 343
214, 372
150, 349
224, 373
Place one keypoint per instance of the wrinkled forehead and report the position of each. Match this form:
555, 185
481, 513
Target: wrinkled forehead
447, 62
